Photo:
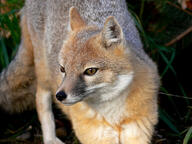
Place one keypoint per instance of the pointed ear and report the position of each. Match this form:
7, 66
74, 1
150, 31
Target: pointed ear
112, 32
75, 19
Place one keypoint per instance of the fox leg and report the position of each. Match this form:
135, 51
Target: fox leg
138, 132
44, 109
43, 93
44, 100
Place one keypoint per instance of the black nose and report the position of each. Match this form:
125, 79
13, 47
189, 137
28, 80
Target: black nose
61, 95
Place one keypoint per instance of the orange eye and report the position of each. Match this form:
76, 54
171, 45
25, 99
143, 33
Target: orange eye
62, 69
90, 71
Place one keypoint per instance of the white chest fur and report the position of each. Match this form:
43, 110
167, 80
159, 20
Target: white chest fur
113, 99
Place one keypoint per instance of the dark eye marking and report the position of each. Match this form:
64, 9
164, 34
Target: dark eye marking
62, 69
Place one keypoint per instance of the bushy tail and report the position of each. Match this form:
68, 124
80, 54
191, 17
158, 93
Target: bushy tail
17, 81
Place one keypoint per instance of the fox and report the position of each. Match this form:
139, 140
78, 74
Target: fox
88, 58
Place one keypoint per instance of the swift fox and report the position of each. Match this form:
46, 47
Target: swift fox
87, 55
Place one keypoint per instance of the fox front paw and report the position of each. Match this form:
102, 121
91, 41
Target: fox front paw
56, 141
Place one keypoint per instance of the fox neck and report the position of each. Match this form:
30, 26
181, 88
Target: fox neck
112, 102
113, 110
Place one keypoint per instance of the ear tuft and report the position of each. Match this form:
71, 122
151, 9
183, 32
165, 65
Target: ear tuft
75, 19
112, 32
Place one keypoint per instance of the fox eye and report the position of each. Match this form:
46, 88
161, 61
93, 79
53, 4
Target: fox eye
90, 71
62, 69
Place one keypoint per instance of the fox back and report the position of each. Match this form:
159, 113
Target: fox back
50, 20
89, 54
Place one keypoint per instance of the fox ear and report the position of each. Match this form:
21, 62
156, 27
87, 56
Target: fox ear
75, 19
112, 32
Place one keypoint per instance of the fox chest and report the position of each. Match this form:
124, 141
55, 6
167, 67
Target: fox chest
91, 128
95, 133
91, 132
95, 130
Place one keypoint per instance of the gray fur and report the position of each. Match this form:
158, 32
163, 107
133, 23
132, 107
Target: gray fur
45, 27
49, 20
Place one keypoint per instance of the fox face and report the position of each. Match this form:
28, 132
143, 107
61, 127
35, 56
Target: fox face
95, 64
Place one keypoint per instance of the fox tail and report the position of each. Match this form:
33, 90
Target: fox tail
18, 81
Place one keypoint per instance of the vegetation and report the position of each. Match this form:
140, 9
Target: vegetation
166, 31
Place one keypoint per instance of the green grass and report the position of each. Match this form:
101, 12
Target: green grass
10, 31
158, 23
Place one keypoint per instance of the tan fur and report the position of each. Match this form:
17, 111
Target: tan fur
122, 109
76, 20
141, 108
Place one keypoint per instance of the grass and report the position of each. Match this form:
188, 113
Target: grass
158, 23
10, 30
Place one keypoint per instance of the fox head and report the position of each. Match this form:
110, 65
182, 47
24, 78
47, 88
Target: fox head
94, 61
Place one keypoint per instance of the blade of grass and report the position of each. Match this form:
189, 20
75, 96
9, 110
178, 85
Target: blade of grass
169, 62
171, 100
142, 9
183, 92
188, 136
188, 115
4, 50
167, 121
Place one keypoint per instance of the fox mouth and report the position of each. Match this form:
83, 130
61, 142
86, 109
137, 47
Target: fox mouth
73, 100
70, 102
